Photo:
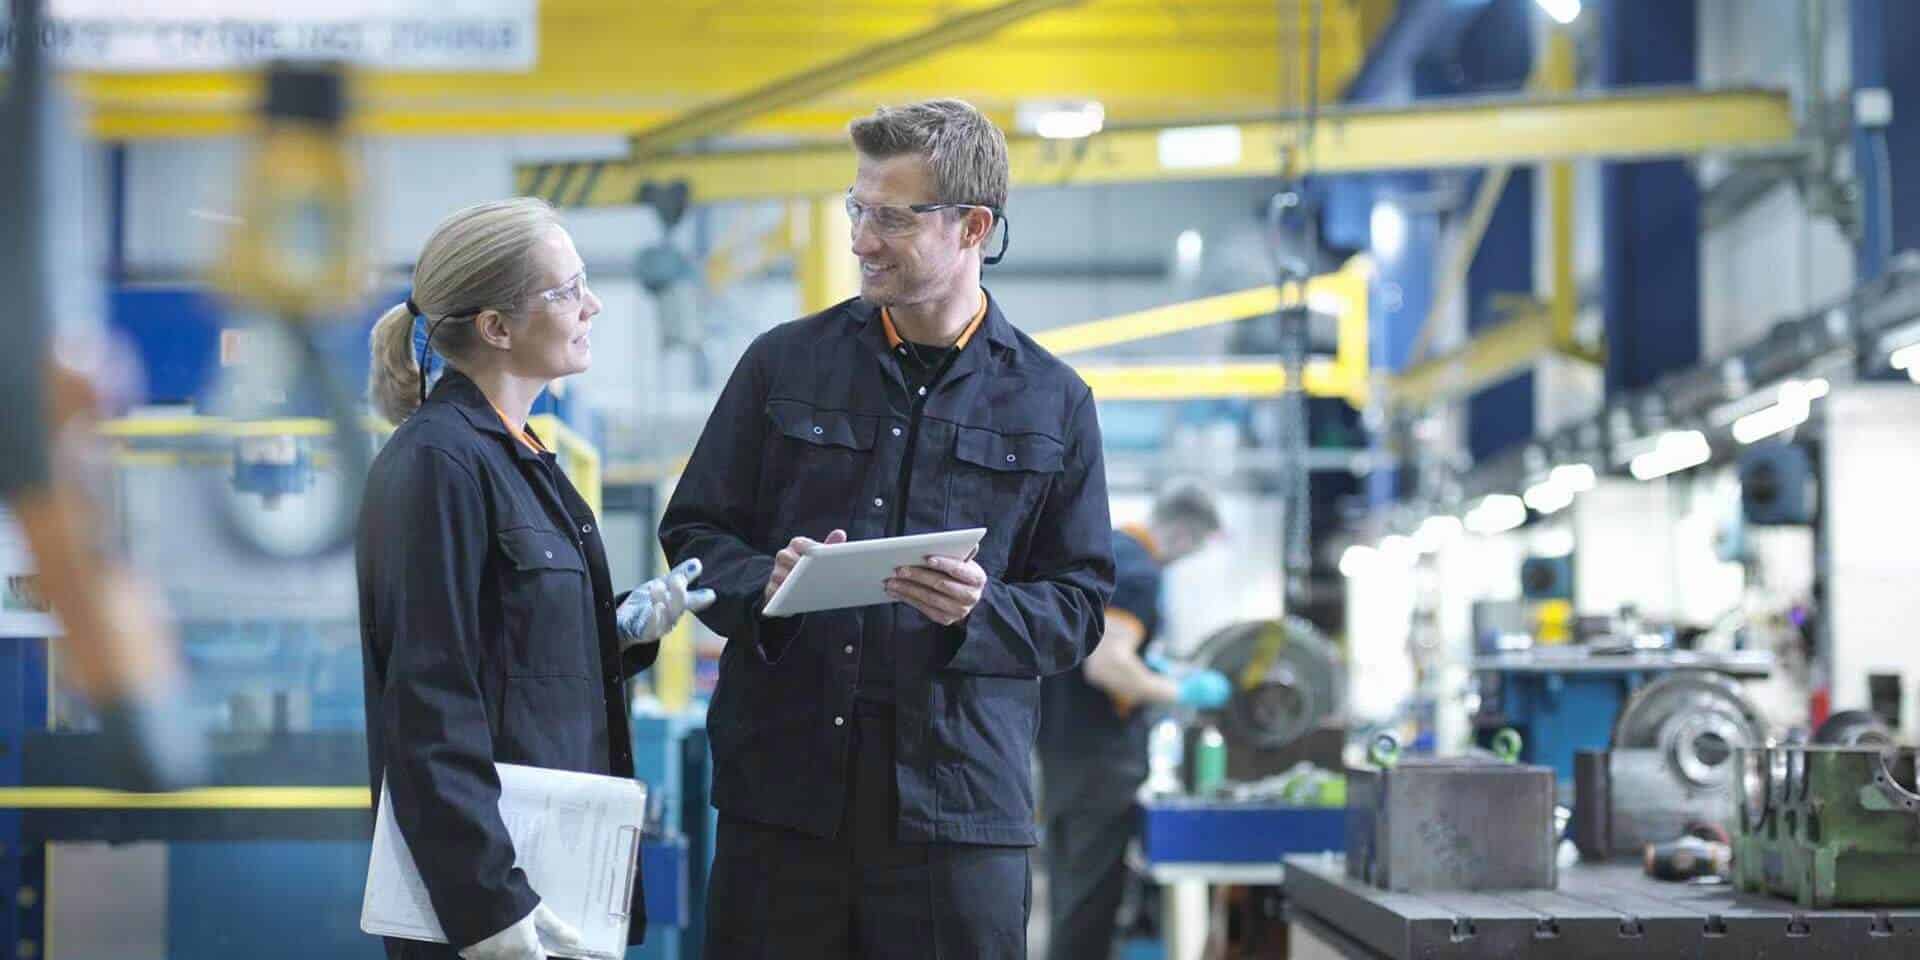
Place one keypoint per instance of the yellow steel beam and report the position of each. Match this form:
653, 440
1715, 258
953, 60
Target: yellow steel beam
618, 68
829, 272
1477, 132
1557, 76
206, 798
1489, 358
1207, 380
786, 91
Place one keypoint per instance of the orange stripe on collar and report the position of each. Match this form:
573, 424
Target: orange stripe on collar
1140, 533
523, 435
894, 339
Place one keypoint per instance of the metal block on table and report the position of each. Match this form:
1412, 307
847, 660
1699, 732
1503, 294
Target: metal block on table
1451, 824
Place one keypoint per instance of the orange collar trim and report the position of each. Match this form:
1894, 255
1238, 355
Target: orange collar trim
1141, 533
523, 435
893, 335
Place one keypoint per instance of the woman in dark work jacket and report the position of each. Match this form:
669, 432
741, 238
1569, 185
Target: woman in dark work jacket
489, 628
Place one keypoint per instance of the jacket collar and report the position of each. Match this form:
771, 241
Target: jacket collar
994, 327
458, 391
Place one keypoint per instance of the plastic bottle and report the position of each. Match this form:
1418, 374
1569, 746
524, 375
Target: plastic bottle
1209, 761
1166, 748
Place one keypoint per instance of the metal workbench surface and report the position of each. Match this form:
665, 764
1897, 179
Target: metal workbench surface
1610, 910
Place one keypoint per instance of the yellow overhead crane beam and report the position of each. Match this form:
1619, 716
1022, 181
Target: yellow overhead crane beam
1437, 134
620, 68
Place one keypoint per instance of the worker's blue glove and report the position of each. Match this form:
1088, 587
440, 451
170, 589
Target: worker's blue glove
1157, 662
1205, 690
653, 608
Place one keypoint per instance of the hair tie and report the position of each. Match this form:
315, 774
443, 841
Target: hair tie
413, 309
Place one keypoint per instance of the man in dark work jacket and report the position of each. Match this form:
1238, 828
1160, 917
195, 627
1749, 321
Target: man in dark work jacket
871, 766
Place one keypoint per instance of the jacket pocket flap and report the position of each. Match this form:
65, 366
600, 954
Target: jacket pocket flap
831, 428
533, 549
1029, 452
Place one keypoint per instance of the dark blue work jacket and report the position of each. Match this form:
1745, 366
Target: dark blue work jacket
811, 433
486, 624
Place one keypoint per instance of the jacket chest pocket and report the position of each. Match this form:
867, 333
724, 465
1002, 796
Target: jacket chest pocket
995, 482
825, 455
544, 605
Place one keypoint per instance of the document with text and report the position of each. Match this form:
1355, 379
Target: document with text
576, 835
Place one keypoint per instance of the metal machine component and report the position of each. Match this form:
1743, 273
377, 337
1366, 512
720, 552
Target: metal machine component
1458, 823
1854, 728
1670, 765
1286, 693
1828, 826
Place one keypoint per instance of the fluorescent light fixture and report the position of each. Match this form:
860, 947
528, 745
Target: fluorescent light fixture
1193, 148
1577, 477
1398, 548
1676, 450
1548, 497
1357, 560
1563, 11
1791, 407
1187, 249
1387, 229
1497, 514
1061, 120
1908, 359
1553, 542
1435, 532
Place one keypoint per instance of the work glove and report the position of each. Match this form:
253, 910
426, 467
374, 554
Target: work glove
653, 608
1205, 690
537, 935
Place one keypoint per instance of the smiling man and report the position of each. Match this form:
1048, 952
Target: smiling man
871, 765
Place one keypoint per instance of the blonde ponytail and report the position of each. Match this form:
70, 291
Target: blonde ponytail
479, 258
393, 379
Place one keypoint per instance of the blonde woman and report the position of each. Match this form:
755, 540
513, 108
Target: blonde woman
489, 628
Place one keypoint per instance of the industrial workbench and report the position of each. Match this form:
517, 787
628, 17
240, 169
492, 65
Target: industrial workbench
1610, 910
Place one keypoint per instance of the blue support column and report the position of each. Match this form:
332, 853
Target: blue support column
23, 865
1867, 38
1651, 211
1502, 415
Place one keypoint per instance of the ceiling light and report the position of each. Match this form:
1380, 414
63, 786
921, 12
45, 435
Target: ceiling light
1577, 477
1398, 548
1563, 11
1675, 451
1387, 230
1435, 532
1791, 407
1061, 120
1191, 148
1356, 560
1497, 514
1908, 359
1548, 497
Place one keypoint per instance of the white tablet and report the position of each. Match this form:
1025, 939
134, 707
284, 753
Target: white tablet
834, 576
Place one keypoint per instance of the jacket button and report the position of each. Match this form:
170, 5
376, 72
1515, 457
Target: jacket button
839, 721
849, 648
819, 430
586, 528
879, 502
923, 391
1011, 458
549, 554
896, 431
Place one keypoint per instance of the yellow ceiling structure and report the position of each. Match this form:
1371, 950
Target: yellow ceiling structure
620, 67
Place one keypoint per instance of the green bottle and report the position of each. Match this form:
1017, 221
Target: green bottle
1209, 762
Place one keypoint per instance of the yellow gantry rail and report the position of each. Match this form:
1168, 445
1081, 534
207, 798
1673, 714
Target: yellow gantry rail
1438, 134
206, 798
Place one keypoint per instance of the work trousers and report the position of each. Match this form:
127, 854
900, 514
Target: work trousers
780, 894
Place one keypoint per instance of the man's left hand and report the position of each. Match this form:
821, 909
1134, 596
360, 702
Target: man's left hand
944, 589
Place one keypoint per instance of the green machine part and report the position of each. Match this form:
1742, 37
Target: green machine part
1828, 826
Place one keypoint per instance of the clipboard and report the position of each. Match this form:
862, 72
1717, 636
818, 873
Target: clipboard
835, 576
577, 836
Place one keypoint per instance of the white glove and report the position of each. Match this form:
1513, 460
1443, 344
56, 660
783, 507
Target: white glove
653, 608
536, 935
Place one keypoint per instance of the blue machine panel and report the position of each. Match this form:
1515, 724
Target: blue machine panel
1194, 831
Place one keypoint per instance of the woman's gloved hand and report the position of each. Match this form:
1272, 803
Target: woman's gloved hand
653, 609
537, 935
